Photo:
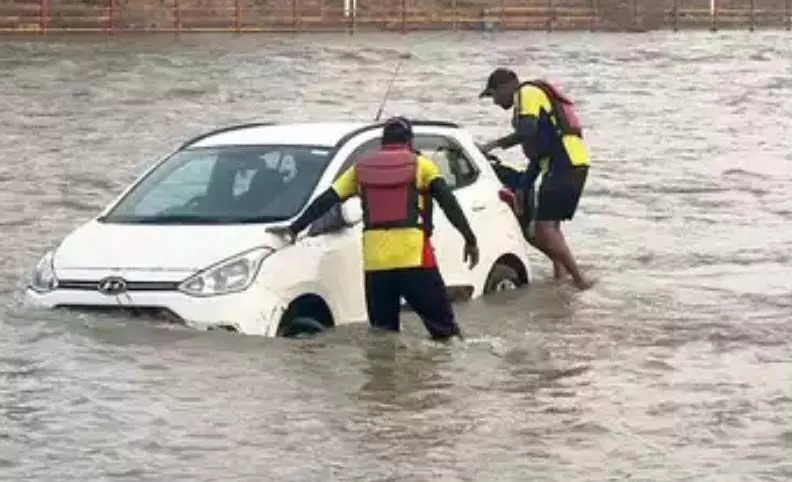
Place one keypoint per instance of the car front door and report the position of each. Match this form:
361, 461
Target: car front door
461, 175
341, 265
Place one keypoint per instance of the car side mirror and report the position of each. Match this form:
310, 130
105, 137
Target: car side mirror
352, 211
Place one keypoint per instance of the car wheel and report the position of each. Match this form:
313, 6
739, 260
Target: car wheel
502, 278
301, 327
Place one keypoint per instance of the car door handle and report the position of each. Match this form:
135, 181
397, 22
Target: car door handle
478, 206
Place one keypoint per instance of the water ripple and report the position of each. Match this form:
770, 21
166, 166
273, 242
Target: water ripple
675, 367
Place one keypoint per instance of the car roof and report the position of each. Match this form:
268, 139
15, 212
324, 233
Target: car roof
324, 134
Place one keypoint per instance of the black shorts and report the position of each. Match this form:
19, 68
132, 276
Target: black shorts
422, 288
559, 194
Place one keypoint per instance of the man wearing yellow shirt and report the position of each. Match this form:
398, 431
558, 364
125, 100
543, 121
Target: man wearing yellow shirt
548, 129
396, 186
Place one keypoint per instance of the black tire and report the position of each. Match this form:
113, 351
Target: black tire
301, 327
502, 278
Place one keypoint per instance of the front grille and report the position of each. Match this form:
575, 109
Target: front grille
156, 313
67, 284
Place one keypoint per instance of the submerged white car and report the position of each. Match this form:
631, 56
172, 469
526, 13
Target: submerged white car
187, 240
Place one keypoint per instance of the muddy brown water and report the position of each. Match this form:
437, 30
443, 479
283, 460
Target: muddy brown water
676, 366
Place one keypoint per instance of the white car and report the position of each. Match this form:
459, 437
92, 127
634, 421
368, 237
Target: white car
187, 240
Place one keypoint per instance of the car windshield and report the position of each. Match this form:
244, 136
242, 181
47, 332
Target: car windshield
225, 185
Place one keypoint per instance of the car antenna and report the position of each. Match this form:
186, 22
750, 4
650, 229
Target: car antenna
390, 84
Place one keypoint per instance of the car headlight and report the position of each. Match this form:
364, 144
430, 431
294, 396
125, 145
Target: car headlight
229, 276
43, 279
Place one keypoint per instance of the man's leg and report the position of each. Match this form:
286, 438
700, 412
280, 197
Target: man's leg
382, 300
552, 239
559, 272
526, 218
558, 269
558, 199
425, 291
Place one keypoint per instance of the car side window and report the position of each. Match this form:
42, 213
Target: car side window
455, 165
330, 219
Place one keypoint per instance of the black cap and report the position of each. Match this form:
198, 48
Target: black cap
497, 78
397, 129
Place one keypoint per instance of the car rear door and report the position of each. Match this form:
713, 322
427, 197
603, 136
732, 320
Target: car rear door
461, 175
448, 243
476, 188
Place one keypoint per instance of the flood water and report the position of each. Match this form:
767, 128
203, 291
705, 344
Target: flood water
676, 366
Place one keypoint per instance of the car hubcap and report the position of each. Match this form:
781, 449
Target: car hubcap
505, 285
303, 328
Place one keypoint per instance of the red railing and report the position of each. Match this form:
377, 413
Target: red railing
750, 14
240, 16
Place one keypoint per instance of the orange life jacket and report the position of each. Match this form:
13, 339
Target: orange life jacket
387, 189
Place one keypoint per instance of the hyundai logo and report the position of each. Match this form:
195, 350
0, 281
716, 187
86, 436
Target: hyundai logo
112, 285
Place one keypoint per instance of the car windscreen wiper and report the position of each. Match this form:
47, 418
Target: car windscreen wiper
173, 219
261, 219
194, 219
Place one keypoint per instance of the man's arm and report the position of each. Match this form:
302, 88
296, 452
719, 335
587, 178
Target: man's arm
524, 133
343, 188
453, 211
529, 106
429, 177
315, 210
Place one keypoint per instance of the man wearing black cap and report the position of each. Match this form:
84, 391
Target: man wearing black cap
396, 186
548, 129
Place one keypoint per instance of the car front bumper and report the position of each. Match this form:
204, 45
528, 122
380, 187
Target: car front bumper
252, 312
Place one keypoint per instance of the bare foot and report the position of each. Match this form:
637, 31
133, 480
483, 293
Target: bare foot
583, 284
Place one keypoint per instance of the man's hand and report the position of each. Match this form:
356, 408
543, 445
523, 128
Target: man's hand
493, 159
471, 255
284, 232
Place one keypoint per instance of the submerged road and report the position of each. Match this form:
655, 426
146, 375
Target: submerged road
676, 366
